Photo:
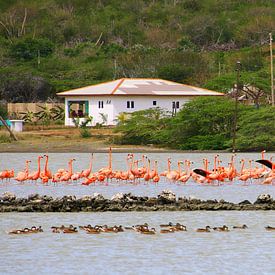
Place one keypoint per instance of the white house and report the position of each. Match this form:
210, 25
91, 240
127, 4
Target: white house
127, 95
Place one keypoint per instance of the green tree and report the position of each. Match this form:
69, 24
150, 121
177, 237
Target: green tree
3, 111
143, 127
202, 124
256, 130
31, 48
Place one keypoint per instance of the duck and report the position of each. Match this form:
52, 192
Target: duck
170, 230
223, 228
119, 228
148, 231
35, 229
179, 227
55, 230
167, 225
15, 231
206, 229
112, 229
129, 227
70, 230
62, 227
270, 228
92, 230
244, 226
85, 227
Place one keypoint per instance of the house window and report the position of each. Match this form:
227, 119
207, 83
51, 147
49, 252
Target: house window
175, 105
154, 103
100, 104
130, 104
108, 102
78, 108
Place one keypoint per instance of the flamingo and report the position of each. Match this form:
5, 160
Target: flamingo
36, 174
87, 172
156, 177
66, 176
46, 173
23, 175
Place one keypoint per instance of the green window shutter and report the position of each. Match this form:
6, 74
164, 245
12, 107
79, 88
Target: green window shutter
87, 107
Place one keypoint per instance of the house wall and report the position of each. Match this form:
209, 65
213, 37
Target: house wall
146, 102
118, 104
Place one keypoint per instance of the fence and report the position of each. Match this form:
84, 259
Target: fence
14, 109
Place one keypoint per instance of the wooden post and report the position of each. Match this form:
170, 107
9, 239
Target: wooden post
271, 70
8, 128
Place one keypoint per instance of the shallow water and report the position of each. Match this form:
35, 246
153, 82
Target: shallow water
249, 251
235, 192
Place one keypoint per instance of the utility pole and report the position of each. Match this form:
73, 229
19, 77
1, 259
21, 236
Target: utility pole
271, 70
238, 68
115, 69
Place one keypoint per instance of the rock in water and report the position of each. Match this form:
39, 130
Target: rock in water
98, 197
8, 196
264, 198
167, 195
86, 198
117, 197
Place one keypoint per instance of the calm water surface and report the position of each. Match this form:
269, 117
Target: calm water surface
250, 251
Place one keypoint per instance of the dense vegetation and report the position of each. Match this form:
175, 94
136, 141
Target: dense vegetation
54, 45
202, 124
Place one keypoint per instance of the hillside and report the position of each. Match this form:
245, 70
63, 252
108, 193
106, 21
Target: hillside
54, 45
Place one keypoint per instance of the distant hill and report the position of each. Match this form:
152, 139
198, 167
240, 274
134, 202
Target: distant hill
54, 45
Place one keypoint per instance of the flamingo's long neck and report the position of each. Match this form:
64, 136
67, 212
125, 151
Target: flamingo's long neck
46, 165
39, 168
155, 170
179, 167
169, 166
27, 168
215, 163
242, 166
70, 167
232, 162
143, 161
110, 158
189, 167
149, 167
91, 163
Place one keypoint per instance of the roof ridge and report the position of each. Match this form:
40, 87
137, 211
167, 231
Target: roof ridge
97, 84
117, 86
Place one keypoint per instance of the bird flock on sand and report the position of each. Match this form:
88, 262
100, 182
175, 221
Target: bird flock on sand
259, 171
141, 228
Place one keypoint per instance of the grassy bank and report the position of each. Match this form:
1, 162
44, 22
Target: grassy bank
66, 139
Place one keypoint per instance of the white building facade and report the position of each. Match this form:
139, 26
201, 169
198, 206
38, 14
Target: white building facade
104, 102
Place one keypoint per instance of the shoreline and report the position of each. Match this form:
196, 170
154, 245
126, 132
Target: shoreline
69, 140
165, 201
